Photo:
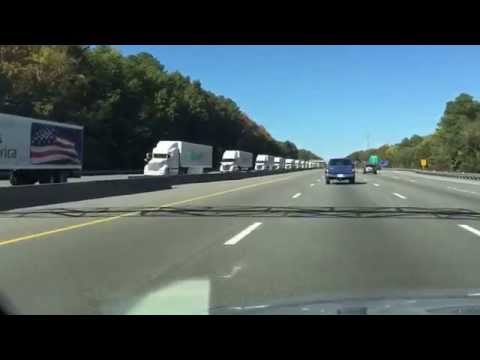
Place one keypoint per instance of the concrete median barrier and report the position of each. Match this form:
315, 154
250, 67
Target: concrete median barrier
16, 197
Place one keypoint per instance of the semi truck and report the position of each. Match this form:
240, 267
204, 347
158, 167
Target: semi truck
33, 150
264, 162
289, 164
178, 158
297, 164
236, 160
278, 163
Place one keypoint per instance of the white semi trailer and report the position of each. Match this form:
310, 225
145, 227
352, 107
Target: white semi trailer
264, 162
33, 150
236, 160
177, 158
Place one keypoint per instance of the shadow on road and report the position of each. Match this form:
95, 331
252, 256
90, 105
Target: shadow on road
253, 212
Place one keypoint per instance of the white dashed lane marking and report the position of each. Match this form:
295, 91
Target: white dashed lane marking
245, 232
471, 229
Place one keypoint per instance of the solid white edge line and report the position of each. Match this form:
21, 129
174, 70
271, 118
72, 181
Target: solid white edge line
400, 196
242, 234
471, 229
296, 195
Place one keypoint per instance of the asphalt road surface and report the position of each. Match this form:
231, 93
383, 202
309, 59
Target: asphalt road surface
204, 248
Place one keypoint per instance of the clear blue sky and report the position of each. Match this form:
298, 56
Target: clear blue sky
328, 98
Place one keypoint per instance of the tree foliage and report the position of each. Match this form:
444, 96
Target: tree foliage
454, 146
126, 103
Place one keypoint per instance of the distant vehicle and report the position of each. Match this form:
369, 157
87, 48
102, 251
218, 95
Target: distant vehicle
372, 165
289, 164
264, 162
315, 164
384, 164
178, 158
340, 169
297, 164
279, 163
33, 150
236, 160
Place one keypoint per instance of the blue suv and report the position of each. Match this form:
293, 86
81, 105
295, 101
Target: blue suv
340, 169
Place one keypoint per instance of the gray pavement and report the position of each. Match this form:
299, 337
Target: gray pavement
201, 248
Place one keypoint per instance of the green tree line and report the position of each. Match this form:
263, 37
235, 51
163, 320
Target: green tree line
126, 103
454, 146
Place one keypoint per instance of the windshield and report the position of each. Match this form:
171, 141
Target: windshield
336, 162
90, 224
160, 156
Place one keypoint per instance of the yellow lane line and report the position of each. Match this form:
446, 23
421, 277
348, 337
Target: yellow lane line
95, 222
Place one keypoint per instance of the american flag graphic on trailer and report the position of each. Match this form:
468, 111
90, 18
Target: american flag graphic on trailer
55, 145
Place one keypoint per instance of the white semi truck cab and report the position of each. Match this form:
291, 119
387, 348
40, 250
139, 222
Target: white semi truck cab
236, 160
289, 164
279, 163
264, 162
178, 157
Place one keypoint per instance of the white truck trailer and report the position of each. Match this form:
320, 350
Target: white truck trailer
236, 160
178, 158
264, 162
34, 150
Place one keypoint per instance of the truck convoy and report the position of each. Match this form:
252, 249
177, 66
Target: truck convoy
297, 164
236, 160
264, 162
178, 157
33, 150
278, 163
372, 165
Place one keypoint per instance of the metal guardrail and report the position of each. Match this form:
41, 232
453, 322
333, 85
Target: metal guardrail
458, 175
5, 175
110, 172
451, 174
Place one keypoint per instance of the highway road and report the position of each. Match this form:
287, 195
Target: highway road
224, 246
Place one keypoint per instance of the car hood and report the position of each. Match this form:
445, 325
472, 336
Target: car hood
445, 302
